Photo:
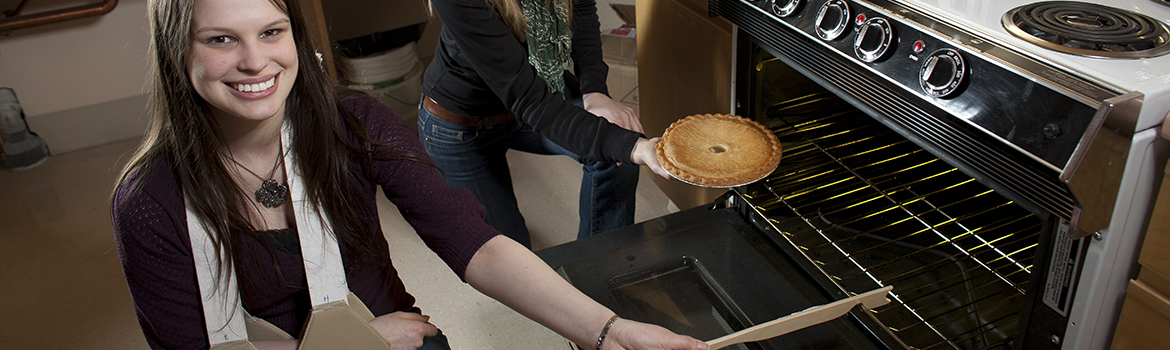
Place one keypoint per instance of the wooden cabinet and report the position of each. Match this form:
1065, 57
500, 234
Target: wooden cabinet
1145, 315
1155, 256
315, 19
684, 68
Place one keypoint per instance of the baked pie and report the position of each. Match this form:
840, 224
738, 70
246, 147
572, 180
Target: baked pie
718, 150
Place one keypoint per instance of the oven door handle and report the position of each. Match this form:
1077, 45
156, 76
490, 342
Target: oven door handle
801, 319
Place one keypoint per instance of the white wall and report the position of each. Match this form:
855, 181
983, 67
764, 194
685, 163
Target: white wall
58, 69
77, 63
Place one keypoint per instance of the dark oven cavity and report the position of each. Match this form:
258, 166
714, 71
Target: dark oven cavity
870, 208
852, 207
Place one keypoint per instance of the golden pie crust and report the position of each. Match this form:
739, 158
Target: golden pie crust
718, 150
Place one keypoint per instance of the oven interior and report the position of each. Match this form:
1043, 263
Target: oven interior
853, 206
870, 208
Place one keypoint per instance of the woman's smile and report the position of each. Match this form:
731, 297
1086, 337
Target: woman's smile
246, 87
240, 54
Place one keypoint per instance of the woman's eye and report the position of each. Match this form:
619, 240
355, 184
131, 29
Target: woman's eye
219, 40
270, 33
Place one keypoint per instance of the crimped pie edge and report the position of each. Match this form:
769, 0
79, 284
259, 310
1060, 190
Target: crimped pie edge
758, 173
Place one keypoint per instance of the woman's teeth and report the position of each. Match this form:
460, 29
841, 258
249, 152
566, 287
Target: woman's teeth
255, 87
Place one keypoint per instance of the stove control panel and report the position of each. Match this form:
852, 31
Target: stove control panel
884, 44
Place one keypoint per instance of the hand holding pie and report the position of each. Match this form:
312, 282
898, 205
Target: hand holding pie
718, 150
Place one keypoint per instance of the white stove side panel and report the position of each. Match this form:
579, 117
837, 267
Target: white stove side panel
1112, 261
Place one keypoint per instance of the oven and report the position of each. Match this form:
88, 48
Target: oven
1000, 186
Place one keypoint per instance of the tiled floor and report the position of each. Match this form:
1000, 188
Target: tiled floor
62, 286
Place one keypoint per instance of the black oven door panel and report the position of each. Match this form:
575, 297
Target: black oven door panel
706, 272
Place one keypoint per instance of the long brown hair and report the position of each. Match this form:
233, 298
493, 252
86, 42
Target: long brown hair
183, 135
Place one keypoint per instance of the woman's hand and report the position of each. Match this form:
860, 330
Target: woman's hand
617, 113
404, 330
644, 153
633, 335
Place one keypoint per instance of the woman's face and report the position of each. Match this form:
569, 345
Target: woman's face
243, 59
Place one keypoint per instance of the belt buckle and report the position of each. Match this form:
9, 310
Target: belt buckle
487, 122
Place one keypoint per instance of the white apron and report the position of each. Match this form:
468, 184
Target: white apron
339, 319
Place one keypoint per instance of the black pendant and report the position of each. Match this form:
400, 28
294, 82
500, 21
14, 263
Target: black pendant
272, 194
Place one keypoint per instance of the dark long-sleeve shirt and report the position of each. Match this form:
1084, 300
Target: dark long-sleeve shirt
481, 68
151, 232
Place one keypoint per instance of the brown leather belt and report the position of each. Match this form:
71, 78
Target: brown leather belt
466, 120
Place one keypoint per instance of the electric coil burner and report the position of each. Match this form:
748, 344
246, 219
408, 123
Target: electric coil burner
1088, 29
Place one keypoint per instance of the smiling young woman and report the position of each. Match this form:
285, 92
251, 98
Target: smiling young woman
205, 235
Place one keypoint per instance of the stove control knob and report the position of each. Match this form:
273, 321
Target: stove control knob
873, 39
833, 19
785, 8
942, 72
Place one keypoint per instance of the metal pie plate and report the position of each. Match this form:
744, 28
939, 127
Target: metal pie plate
765, 174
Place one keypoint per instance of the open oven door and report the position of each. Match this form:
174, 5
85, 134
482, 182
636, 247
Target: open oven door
707, 272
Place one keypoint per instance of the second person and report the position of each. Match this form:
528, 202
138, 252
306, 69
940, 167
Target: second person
498, 82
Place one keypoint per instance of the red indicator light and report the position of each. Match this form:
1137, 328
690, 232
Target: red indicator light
860, 18
919, 46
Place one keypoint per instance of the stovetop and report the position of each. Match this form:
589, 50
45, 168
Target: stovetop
1088, 29
1151, 76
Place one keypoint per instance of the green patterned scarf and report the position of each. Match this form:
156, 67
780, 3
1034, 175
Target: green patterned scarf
550, 40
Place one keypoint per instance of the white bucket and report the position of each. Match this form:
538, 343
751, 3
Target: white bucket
383, 66
393, 77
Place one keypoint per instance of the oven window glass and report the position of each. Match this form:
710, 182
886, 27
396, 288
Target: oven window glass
679, 295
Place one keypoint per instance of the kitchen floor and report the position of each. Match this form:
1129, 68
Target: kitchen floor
63, 286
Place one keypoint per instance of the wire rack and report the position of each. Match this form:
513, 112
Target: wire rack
871, 209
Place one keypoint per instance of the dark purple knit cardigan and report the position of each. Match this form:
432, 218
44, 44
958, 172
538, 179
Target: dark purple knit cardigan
151, 230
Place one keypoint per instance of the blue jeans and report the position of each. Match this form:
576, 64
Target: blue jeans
474, 158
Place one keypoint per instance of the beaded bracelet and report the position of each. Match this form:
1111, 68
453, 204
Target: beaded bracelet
604, 331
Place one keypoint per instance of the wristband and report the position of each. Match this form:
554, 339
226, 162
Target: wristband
604, 331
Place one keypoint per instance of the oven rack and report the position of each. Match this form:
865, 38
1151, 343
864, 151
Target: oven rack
870, 209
